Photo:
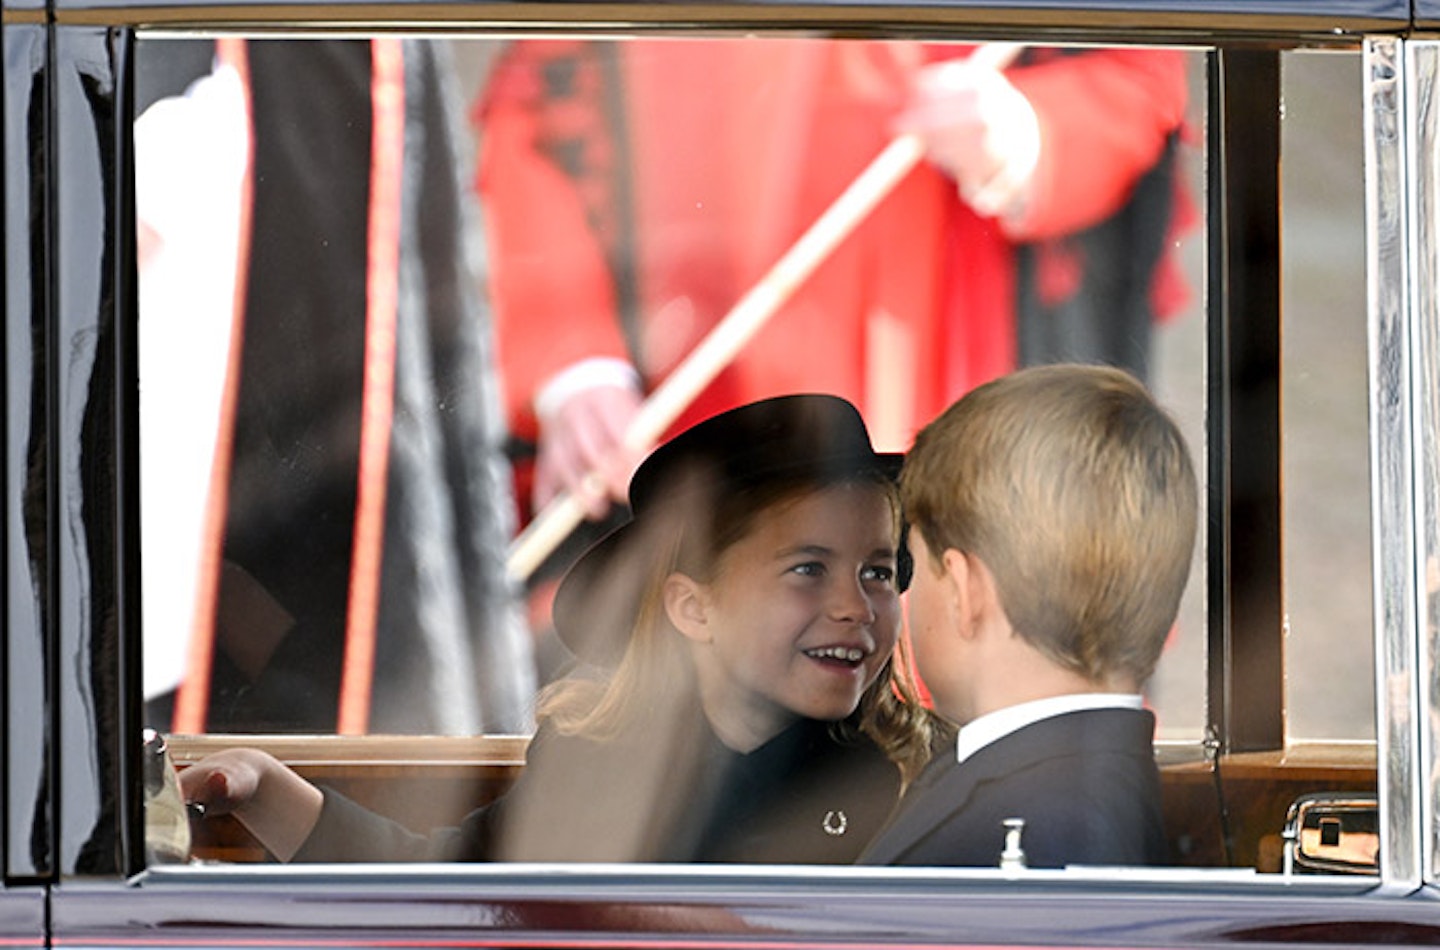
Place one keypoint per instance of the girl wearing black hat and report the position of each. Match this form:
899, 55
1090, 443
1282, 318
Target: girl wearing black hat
741, 695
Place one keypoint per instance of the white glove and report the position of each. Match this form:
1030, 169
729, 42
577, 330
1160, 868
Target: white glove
583, 416
980, 130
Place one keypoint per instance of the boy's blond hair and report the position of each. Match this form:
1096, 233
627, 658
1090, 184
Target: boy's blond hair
1078, 493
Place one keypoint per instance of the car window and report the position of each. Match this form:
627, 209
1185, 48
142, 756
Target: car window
547, 99
1327, 552
384, 312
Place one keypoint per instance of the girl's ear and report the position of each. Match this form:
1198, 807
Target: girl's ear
686, 606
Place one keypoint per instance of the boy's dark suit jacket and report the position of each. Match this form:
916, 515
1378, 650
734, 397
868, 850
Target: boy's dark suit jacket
1085, 783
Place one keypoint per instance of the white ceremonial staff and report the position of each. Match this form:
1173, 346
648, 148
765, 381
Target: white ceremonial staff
553, 523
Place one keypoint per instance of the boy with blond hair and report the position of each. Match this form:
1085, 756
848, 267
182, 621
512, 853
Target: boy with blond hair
1053, 517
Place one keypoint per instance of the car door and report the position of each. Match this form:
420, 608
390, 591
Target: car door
77, 545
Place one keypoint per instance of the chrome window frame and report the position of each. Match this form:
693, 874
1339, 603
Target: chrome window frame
1402, 478
1404, 352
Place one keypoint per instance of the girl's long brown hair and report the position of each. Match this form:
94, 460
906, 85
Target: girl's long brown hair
654, 681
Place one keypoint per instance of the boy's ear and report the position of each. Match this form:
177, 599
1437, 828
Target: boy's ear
971, 588
687, 606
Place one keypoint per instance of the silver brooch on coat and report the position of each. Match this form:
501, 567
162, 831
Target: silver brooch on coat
835, 823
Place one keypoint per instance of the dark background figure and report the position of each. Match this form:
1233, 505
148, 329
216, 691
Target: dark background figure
367, 503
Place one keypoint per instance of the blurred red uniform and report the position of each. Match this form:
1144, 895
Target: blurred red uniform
635, 191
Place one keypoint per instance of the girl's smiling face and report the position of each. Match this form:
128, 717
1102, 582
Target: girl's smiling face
801, 616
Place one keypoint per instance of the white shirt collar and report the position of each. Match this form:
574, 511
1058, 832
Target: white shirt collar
990, 727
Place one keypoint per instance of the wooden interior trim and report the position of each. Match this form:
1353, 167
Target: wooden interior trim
423, 781
1295, 762
509, 750
377, 751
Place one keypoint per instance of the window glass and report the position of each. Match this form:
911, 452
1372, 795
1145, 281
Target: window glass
1177, 689
633, 227
384, 310
1329, 652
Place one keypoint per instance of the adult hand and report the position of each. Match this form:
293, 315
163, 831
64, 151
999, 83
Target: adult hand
980, 130
275, 804
582, 448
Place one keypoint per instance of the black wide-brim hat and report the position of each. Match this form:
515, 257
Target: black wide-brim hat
808, 438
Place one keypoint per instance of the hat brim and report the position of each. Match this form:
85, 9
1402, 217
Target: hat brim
599, 598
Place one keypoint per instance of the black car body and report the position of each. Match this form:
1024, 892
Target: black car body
76, 871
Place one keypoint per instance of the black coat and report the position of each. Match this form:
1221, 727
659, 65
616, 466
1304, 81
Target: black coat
802, 798
1085, 783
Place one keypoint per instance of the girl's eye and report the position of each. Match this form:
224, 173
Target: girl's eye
883, 573
809, 569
